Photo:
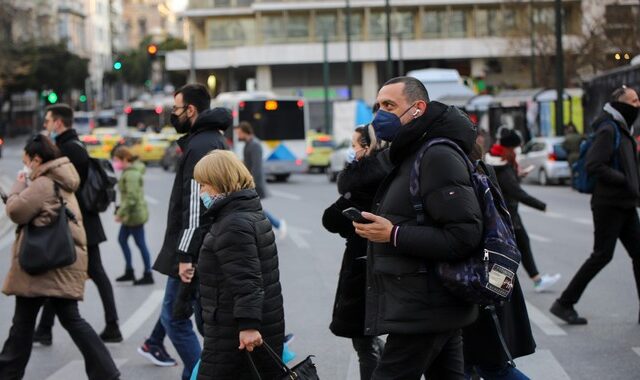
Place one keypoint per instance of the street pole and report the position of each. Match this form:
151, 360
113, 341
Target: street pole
325, 77
192, 58
559, 70
349, 65
387, 11
532, 25
400, 59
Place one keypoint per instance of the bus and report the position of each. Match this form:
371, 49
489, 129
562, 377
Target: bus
280, 123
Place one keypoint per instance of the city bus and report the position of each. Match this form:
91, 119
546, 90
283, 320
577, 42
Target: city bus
279, 122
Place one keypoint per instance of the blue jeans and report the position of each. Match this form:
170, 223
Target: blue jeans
138, 237
505, 373
275, 222
179, 331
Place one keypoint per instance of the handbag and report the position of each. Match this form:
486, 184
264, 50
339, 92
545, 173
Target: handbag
48, 247
305, 370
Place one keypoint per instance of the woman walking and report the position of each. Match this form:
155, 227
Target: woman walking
50, 177
239, 278
357, 185
132, 213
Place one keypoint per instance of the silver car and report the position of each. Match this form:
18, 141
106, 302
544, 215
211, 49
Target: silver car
338, 160
546, 160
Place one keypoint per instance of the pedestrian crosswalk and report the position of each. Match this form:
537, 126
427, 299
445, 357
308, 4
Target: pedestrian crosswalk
75, 370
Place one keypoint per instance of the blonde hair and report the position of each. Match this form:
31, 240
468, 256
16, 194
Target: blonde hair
224, 171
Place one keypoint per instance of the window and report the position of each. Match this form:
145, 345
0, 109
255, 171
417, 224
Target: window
273, 28
298, 27
487, 22
326, 23
509, 20
244, 3
432, 24
457, 24
377, 25
356, 25
225, 32
223, 3
402, 23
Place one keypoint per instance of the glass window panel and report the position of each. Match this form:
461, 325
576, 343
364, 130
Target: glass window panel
298, 27
377, 25
326, 23
244, 3
432, 23
402, 23
356, 25
223, 3
509, 19
273, 28
457, 24
225, 32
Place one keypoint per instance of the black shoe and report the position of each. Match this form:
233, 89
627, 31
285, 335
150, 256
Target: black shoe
147, 279
43, 337
127, 276
111, 333
567, 314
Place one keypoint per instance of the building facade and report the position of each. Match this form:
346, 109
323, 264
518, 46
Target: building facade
147, 18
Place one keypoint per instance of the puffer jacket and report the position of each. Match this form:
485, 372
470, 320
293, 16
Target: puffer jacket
133, 209
239, 288
404, 293
38, 204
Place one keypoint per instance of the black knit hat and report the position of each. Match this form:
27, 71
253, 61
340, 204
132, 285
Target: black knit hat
508, 137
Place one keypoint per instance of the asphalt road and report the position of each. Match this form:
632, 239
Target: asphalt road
607, 348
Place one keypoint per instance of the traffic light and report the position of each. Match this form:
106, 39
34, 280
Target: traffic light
117, 65
152, 50
52, 97
82, 98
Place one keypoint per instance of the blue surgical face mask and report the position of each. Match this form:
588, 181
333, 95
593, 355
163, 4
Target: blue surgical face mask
53, 135
387, 125
206, 200
351, 155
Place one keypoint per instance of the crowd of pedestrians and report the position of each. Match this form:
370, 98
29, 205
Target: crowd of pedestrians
220, 251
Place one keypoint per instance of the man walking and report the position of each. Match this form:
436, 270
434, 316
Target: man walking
58, 121
405, 297
613, 162
253, 161
185, 231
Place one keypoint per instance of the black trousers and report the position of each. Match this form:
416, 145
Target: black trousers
17, 348
610, 224
369, 350
524, 246
99, 276
408, 357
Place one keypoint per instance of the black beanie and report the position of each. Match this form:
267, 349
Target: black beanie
509, 138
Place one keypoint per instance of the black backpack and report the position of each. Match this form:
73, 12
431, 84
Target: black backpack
98, 190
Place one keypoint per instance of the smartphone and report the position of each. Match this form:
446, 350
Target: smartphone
355, 215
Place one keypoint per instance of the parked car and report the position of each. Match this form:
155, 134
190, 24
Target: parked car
96, 147
319, 149
172, 154
338, 160
547, 159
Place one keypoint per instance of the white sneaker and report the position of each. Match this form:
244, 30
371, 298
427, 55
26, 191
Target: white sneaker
282, 231
546, 281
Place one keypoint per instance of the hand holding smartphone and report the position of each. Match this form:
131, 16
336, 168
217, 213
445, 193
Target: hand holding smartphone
355, 215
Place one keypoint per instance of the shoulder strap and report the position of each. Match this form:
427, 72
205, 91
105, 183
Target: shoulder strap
496, 322
414, 178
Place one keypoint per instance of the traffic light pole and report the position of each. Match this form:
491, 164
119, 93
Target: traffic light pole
387, 11
325, 79
349, 65
559, 70
192, 58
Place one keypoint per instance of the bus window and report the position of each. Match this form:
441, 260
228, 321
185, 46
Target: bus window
274, 120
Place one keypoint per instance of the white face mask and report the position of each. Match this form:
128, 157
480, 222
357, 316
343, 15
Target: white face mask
27, 171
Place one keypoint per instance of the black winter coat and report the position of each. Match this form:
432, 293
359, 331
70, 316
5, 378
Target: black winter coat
185, 223
404, 293
70, 146
239, 288
357, 184
512, 192
614, 187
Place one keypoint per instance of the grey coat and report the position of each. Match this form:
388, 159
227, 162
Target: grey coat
253, 162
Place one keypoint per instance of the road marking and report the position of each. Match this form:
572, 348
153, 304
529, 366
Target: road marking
137, 319
151, 200
554, 215
542, 365
285, 195
75, 370
296, 235
543, 322
539, 238
636, 350
585, 221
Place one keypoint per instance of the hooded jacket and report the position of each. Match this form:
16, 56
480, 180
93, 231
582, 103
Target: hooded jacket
404, 293
133, 207
39, 204
185, 224
239, 288
617, 187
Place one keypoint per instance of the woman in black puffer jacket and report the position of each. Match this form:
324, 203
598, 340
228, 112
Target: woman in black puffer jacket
357, 185
239, 278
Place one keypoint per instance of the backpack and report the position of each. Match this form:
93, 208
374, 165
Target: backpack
486, 277
98, 190
581, 181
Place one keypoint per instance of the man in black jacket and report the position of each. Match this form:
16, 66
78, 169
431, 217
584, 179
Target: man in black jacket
614, 199
405, 297
58, 121
185, 227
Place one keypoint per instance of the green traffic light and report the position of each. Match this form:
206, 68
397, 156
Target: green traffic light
83, 98
52, 97
117, 65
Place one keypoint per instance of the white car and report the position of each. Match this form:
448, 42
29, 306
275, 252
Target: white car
547, 159
338, 160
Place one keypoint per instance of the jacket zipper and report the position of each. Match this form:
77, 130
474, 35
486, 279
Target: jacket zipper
486, 256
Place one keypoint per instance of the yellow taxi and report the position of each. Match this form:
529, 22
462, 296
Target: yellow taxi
108, 137
149, 147
319, 149
95, 147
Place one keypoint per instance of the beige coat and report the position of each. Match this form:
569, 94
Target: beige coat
38, 203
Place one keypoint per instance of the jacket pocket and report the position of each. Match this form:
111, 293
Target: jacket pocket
404, 288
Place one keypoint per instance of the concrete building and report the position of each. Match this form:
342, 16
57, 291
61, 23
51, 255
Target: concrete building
144, 18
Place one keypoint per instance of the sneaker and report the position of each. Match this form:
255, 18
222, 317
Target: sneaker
127, 276
287, 354
567, 314
546, 281
111, 333
289, 338
43, 337
156, 355
147, 279
282, 230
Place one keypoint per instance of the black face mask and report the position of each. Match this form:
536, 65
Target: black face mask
629, 112
179, 125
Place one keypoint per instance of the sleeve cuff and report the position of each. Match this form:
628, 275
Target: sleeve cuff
248, 324
394, 235
184, 257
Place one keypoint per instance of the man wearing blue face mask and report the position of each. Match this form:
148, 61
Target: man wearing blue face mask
405, 298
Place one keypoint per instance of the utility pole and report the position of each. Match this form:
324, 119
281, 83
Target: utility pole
349, 65
192, 57
559, 70
325, 77
532, 41
400, 59
387, 11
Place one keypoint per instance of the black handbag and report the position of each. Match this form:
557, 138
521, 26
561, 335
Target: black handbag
48, 247
305, 370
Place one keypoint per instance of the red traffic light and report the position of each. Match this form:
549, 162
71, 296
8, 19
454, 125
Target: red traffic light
152, 49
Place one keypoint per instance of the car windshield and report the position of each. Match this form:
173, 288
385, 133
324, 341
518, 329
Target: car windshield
561, 154
322, 144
